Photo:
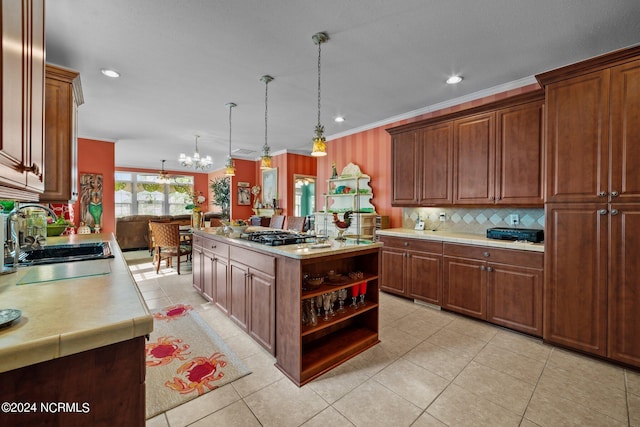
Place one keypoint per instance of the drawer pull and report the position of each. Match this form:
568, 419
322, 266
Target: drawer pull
614, 194
486, 254
406, 243
614, 211
483, 268
602, 194
602, 211
489, 269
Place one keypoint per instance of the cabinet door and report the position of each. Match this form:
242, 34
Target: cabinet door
262, 312
575, 286
424, 276
208, 266
465, 286
624, 288
519, 156
13, 140
197, 267
577, 138
405, 172
625, 131
220, 286
437, 164
393, 271
239, 274
474, 159
514, 297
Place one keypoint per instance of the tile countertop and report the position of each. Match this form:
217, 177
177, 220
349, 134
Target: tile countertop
471, 239
64, 317
297, 250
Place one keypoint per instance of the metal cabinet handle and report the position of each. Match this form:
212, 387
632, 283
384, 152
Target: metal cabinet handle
602, 211
489, 269
602, 194
483, 268
486, 254
406, 243
614, 194
614, 211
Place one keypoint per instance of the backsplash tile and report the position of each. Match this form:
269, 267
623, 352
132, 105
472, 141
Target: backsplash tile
472, 220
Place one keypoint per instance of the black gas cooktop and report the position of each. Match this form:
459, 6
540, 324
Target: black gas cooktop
277, 237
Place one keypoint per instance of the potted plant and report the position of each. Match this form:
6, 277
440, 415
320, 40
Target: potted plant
220, 187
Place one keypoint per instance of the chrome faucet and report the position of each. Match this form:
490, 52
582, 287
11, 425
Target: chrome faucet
11, 225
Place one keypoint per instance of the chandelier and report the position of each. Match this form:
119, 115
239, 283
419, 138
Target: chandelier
319, 144
163, 176
265, 159
229, 167
196, 161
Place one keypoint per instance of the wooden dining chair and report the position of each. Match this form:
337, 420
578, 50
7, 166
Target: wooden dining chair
167, 243
277, 221
296, 223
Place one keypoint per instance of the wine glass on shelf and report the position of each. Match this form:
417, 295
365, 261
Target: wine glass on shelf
334, 297
326, 299
363, 292
354, 295
319, 305
313, 319
342, 295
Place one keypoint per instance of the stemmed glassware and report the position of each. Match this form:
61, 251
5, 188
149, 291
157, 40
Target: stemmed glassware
342, 295
312, 319
334, 297
354, 295
319, 305
363, 292
326, 299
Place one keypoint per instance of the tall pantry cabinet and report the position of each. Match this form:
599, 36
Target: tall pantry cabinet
592, 277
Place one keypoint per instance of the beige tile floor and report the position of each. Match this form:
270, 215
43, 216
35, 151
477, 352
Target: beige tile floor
432, 368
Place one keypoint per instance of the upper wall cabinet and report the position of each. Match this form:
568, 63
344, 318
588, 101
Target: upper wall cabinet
491, 154
21, 141
592, 134
63, 96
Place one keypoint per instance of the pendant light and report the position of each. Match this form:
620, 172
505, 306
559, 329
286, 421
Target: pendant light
196, 161
265, 160
319, 144
229, 168
163, 176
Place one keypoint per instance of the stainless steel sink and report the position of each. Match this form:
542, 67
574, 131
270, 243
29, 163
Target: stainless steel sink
65, 253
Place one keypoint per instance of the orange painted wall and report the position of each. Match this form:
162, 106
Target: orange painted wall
99, 157
245, 172
371, 150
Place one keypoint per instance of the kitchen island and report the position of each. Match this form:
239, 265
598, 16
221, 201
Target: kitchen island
76, 356
261, 289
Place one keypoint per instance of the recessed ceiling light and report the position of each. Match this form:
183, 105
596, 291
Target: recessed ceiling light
110, 73
339, 119
454, 80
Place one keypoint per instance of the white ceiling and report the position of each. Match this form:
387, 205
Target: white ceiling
181, 61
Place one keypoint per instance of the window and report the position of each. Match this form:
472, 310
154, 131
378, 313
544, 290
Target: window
140, 194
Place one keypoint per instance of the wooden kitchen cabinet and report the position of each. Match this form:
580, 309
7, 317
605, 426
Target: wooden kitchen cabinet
63, 96
252, 294
474, 159
412, 268
210, 270
486, 155
22, 138
593, 194
501, 286
305, 352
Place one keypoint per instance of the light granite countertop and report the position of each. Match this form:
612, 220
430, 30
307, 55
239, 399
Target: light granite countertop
297, 251
451, 237
68, 316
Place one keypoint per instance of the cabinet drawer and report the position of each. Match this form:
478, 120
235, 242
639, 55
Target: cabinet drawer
210, 245
489, 254
255, 260
412, 244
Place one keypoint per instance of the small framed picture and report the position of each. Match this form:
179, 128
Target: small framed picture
244, 195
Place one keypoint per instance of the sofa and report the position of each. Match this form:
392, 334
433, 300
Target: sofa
132, 232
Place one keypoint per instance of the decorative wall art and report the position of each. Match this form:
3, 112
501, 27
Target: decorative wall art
269, 186
91, 200
244, 193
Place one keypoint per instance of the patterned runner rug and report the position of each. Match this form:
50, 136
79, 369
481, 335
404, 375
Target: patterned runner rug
185, 359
